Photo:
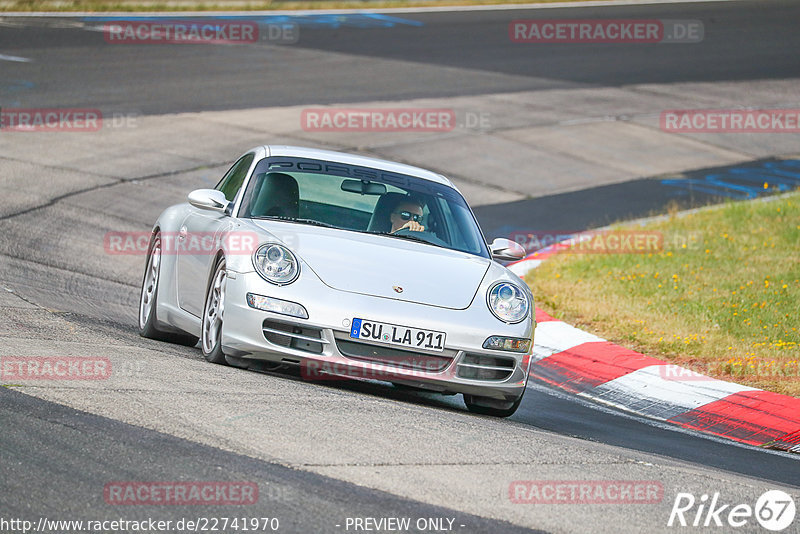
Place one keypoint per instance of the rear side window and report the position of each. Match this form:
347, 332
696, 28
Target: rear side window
233, 179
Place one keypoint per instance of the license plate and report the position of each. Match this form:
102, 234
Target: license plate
392, 334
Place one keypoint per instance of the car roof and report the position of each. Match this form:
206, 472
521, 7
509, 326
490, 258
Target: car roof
353, 159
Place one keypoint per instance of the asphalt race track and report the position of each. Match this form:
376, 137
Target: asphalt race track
743, 41
321, 453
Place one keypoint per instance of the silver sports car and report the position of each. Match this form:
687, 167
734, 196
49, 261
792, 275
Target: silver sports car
348, 267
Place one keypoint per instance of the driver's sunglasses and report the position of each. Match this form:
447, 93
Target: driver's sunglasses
407, 215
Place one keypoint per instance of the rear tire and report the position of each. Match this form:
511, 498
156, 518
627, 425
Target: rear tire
213, 314
148, 300
478, 405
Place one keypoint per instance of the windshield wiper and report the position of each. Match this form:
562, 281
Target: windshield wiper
315, 223
301, 221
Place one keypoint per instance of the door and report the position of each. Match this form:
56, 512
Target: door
197, 238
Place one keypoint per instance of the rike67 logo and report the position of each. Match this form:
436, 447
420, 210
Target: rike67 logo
774, 510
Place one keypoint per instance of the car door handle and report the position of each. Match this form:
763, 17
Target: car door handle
182, 233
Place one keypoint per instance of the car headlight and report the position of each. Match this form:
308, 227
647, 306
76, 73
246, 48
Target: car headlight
276, 264
508, 302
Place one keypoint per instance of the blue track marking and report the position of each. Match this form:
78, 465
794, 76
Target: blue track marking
744, 182
322, 21
12, 88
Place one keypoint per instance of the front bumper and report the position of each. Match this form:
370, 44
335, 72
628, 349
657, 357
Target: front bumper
321, 345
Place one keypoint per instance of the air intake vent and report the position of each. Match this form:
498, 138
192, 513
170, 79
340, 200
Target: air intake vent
484, 367
395, 357
293, 336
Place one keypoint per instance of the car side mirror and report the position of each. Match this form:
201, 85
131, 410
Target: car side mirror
505, 249
208, 199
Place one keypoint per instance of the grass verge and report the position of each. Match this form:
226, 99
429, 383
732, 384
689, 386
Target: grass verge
722, 297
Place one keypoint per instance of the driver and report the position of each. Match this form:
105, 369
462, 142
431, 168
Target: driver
407, 214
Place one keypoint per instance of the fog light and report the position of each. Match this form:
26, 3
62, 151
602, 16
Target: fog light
512, 344
270, 304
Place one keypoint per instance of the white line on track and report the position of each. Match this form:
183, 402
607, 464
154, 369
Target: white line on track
18, 59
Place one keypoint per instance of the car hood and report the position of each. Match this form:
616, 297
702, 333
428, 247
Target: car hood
381, 266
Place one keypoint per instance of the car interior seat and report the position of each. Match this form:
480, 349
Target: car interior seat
278, 196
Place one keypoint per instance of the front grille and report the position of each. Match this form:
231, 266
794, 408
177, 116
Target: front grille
404, 359
485, 367
293, 336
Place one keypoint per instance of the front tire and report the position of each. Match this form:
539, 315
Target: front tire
492, 407
213, 314
148, 300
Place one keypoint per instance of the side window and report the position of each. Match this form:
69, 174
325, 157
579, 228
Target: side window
233, 179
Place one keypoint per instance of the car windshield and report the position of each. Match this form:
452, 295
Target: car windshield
361, 199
